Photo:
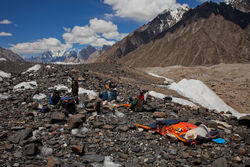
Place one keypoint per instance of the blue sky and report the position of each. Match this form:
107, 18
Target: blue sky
30, 27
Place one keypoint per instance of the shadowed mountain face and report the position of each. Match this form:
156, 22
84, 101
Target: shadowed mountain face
9, 55
208, 34
143, 34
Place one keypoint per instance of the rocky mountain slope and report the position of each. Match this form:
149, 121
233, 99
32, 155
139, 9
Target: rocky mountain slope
242, 5
8, 55
29, 137
209, 34
143, 34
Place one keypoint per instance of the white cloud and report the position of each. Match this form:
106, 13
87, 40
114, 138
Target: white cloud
5, 34
95, 34
140, 10
102, 26
5, 21
40, 46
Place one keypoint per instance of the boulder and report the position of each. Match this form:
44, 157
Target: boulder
79, 149
21, 135
30, 149
57, 117
245, 120
76, 120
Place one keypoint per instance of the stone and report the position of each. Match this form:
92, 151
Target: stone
34, 105
197, 161
46, 151
245, 120
223, 125
91, 158
21, 135
184, 155
76, 120
212, 124
220, 162
108, 127
53, 162
172, 151
123, 128
79, 149
247, 163
247, 139
241, 151
181, 160
30, 149
57, 117
159, 114
3, 135
193, 121
136, 149
237, 159
97, 124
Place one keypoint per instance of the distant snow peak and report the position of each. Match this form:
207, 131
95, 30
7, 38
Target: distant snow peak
229, 1
58, 53
172, 16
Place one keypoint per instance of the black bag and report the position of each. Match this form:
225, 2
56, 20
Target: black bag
70, 106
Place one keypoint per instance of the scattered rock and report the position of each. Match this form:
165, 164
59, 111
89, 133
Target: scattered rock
123, 128
30, 149
79, 149
21, 135
53, 162
221, 162
57, 117
76, 120
245, 120
92, 158
159, 114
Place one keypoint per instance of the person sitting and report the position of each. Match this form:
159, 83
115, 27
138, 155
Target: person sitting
141, 96
55, 98
98, 104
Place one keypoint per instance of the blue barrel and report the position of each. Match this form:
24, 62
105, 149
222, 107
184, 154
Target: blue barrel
105, 96
113, 95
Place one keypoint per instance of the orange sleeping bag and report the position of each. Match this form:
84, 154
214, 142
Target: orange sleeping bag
178, 130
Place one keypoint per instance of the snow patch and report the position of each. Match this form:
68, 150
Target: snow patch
182, 101
3, 59
48, 66
108, 162
85, 91
199, 93
26, 85
33, 68
174, 99
4, 74
157, 95
63, 63
167, 80
60, 87
39, 96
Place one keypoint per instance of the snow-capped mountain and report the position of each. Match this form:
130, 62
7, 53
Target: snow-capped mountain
70, 56
144, 34
48, 56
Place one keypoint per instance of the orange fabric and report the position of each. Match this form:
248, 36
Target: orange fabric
176, 129
125, 105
